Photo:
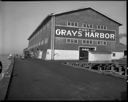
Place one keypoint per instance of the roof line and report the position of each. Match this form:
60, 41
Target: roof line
57, 14
49, 15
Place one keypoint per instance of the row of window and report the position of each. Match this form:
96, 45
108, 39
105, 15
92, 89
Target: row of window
37, 35
86, 41
75, 24
39, 43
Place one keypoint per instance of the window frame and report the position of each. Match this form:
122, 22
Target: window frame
113, 54
75, 40
91, 42
83, 41
69, 40
104, 42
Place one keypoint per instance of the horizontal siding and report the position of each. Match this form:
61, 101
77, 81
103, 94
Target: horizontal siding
60, 43
89, 17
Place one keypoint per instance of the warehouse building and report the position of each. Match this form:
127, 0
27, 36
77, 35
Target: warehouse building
82, 34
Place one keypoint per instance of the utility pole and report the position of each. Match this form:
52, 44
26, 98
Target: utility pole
52, 35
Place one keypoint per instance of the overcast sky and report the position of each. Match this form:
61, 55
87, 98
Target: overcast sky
19, 19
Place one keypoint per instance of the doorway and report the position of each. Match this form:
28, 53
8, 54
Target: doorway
84, 52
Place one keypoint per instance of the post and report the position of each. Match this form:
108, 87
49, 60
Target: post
52, 36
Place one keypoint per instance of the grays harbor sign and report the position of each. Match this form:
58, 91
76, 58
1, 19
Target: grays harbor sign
84, 33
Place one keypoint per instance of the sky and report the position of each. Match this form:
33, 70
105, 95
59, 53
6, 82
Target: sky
19, 19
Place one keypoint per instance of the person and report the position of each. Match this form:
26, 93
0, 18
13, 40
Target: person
1, 66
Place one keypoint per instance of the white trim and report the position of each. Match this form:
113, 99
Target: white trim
88, 47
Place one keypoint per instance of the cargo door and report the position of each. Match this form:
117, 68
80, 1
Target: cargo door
83, 53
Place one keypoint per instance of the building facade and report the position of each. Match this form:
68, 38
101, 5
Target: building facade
75, 35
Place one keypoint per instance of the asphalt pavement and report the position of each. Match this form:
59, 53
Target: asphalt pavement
52, 80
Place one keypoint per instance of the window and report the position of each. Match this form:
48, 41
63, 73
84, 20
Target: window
68, 40
83, 41
98, 26
114, 54
46, 40
98, 42
91, 26
76, 24
87, 41
88, 25
105, 43
72, 23
102, 27
68, 24
84, 25
91, 42
105, 27
42, 42
72, 40
75, 41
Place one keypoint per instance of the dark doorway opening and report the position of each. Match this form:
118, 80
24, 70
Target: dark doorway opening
84, 52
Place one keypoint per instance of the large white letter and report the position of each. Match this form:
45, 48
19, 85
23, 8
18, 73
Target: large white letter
96, 35
112, 36
92, 35
57, 31
107, 35
69, 33
101, 35
79, 33
63, 31
86, 34
74, 33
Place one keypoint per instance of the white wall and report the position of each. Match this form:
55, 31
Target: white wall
48, 54
99, 57
40, 54
118, 55
74, 55
63, 55
66, 55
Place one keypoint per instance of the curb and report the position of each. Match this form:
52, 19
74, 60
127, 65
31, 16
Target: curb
11, 68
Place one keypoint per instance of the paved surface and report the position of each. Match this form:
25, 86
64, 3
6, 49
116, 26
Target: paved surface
5, 78
49, 80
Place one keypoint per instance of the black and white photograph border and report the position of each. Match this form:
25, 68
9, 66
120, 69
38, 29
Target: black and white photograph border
63, 50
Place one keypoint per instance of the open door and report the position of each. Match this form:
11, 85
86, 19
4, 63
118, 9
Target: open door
83, 54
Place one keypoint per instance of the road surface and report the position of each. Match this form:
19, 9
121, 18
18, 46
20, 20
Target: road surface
52, 80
